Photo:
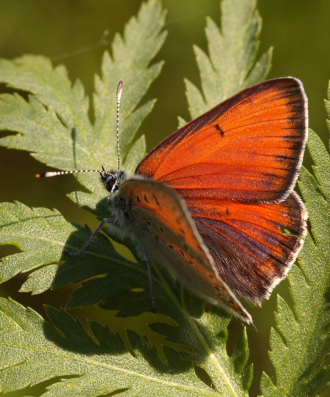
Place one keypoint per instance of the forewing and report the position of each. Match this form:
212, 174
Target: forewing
166, 222
253, 246
248, 148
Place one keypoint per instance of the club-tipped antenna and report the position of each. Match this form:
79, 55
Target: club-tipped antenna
119, 93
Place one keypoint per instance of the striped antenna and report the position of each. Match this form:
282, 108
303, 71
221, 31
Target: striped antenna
55, 173
119, 93
50, 174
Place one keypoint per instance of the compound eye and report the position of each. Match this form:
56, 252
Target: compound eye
110, 182
108, 179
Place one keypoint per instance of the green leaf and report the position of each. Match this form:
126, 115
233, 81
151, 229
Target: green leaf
58, 109
119, 285
231, 65
179, 346
301, 342
42, 234
37, 232
34, 350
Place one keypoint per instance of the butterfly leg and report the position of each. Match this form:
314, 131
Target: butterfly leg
91, 239
151, 284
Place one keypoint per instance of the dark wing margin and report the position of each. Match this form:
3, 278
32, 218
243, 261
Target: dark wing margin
253, 246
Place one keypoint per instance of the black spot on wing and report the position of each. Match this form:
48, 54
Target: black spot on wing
283, 159
222, 132
271, 176
269, 179
156, 200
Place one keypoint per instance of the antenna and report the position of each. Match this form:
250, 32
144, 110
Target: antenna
119, 93
55, 173
50, 174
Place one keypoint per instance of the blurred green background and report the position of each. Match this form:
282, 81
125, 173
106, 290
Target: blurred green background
73, 33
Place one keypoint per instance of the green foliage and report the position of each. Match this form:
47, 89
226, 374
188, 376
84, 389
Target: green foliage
34, 350
181, 351
58, 110
231, 65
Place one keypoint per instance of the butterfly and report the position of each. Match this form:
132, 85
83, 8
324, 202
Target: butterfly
214, 203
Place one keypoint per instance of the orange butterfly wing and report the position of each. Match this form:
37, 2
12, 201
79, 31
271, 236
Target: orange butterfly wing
248, 148
170, 235
251, 250
236, 166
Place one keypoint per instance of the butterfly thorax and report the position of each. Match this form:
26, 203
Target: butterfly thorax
119, 203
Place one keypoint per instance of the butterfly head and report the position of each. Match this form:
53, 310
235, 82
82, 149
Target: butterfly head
112, 179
